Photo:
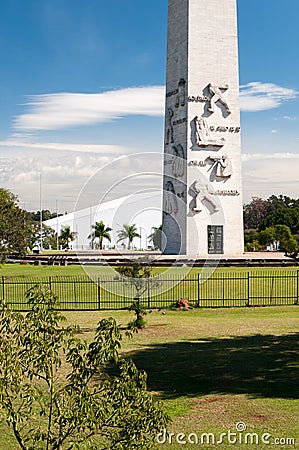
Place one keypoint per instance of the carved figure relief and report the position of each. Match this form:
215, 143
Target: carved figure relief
216, 91
222, 166
201, 134
170, 205
169, 127
181, 95
200, 193
178, 161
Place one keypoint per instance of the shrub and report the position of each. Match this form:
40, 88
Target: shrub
84, 408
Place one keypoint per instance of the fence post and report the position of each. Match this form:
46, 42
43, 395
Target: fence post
272, 287
248, 288
198, 290
50, 283
99, 293
223, 291
148, 294
3, 288
297, 290
75, 295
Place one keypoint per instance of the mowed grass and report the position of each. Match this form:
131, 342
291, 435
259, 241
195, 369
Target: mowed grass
219, 287
215, 368
211, 368
29, 270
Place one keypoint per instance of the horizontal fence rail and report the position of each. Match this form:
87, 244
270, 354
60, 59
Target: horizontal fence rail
221, 290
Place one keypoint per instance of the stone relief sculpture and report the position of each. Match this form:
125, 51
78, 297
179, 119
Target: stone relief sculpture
178, 162
201, 134
170, 199
199, 193
218, 96
169, 127
222, 165
181, 96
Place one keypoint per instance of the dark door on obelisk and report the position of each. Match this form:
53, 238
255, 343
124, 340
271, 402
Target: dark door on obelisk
215, 239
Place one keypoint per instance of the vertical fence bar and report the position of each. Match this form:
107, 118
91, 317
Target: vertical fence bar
223, 290
271, 290
50, 283
198, 290
148, 293
99, 293
297, 288
248, 288
75, 295
3, 288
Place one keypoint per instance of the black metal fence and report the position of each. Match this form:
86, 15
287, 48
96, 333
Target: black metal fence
218, 290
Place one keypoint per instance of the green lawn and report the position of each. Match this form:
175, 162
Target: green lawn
226, 287
13, 270
9, 270
215, 368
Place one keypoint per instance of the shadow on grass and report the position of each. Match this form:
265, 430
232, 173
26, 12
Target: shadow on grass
258, 365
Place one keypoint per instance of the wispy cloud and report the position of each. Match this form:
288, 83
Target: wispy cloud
289, 117
85, 177
70, 147
270, 174
261, 156
61, 110
257, 96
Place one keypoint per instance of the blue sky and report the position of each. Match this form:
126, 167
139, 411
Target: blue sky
81, 84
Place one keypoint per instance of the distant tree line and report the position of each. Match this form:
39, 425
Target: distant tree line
21, 230
14, 227
275, 220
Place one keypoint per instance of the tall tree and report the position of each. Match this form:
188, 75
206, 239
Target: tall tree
287, 241
255, 212
46, 215
156, 237
128, 232
66, 237
48, 236
100, 232
282, 210
15, 227
267, 236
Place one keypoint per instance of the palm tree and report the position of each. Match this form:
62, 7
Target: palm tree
101, 232
66, 236
128, 232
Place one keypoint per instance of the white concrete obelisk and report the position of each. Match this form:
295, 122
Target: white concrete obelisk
202, 198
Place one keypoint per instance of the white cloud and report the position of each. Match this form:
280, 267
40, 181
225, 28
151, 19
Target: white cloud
272, 174
290, 117
261, 156
257, 96
57, 111
59, 146
66, 109
64, 175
